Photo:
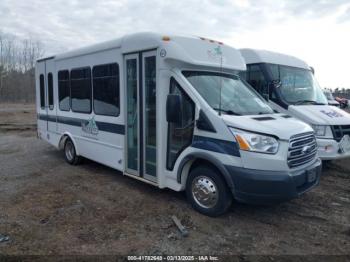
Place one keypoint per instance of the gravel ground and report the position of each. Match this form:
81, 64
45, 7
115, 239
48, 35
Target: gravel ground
48, 207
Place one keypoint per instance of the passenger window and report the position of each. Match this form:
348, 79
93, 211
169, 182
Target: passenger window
63, 90
80, 84
150, 115
275, 71
256, 79
50, 90
106, 89
180, 135
42, 91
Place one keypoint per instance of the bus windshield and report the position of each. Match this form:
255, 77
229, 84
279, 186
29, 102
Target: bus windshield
237, 97
298, 86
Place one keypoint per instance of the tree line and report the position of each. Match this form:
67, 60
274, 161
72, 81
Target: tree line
342, 92
17, 68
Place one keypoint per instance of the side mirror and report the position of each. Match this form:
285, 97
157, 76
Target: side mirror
173, 109
312, 70
275, 84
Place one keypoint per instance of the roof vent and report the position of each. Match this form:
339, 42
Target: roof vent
265, 118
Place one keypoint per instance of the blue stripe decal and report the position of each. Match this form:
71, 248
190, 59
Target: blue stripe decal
102, 126
216, 145
50, 118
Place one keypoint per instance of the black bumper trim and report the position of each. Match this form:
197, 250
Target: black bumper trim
268, 187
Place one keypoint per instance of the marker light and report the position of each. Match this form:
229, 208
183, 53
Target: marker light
210, 40
242, 143
328, 148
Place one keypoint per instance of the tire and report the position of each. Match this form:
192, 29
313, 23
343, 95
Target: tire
70, 153
202, 180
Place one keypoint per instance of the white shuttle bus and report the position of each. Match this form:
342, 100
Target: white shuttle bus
291, 88
172, 111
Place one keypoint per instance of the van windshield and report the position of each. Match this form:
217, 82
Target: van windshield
328, 95
237, 97
298, 86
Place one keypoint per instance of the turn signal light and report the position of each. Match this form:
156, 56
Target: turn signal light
166, 38
242, 143
328, 148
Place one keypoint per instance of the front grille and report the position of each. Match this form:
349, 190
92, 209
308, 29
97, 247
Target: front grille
302, 149
340, 131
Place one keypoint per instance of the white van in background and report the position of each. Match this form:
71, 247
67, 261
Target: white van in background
330, 98
291, 88
172, 111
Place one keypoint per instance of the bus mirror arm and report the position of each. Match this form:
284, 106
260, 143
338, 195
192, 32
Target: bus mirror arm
271, 86
312, 70
266, 94
173, 109
266, 97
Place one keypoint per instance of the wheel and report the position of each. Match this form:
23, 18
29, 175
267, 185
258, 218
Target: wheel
207, 192
70, 153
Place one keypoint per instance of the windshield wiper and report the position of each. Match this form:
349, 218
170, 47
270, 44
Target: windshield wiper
229, 112
308, 101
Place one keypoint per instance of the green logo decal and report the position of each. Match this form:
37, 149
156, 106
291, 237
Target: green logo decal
216, 54
218, 50
90, 127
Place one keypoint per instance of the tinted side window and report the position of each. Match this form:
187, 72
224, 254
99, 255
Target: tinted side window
180, 135
50, 89
80, 81
63, 90
275, 71
256, 78
243, 75
106, 89
42, 91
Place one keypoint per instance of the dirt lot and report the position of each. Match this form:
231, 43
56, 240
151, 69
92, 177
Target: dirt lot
49, 207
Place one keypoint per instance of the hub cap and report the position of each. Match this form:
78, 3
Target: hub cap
69, 149
204, 192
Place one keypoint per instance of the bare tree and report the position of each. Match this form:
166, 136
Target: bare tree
17, 63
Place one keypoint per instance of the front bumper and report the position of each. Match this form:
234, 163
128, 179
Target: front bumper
328, 149
268, 187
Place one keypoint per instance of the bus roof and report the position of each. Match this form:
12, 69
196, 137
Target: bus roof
255, 56
192, 50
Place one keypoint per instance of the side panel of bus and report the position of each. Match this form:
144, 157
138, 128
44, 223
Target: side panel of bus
90, 105
107, 104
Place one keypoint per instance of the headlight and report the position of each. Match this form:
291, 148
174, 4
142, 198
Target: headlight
319, 130
255, 142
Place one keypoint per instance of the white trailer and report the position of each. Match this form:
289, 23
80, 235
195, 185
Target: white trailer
171, 111
290, 86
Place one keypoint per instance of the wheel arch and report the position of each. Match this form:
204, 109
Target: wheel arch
63, 139
197, 158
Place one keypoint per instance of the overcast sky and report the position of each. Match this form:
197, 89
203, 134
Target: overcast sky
316, 31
